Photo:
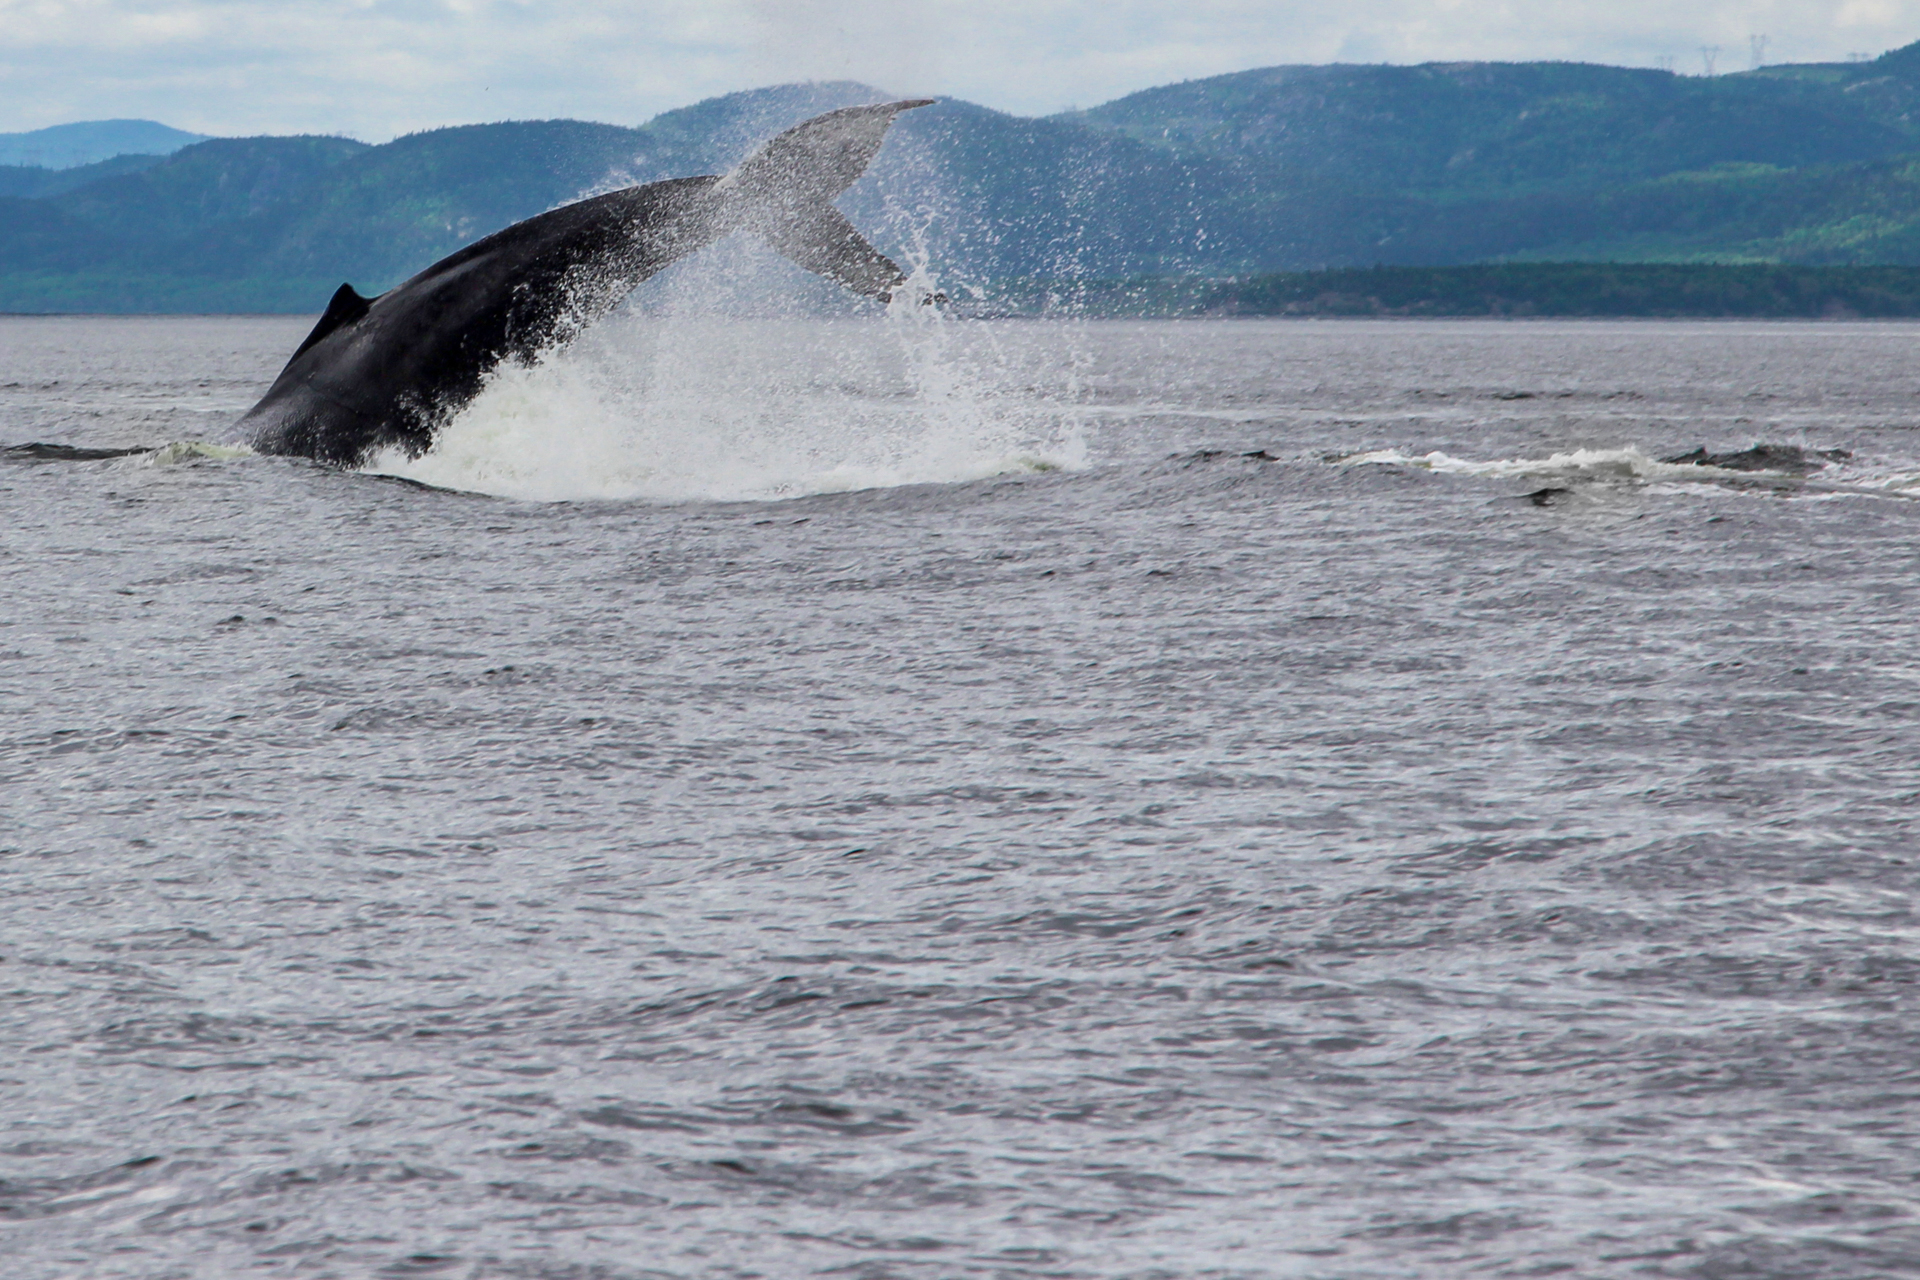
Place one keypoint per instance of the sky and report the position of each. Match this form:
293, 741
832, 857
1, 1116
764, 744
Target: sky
373, 69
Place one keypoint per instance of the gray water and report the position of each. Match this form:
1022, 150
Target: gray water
1121, 857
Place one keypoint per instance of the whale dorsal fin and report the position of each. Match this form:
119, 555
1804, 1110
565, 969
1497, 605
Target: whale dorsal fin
347, 307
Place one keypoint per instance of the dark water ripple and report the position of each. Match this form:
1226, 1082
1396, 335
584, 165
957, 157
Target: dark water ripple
1193, 866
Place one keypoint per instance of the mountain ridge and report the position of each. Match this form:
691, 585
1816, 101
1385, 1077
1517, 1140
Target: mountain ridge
1271, 170
86, 142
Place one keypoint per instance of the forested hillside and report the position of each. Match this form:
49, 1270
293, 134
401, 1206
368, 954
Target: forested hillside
1281, 169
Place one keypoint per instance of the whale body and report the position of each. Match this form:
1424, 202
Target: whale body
386, 371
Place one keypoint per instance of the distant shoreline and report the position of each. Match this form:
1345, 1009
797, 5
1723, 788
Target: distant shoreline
1503, 291
1568, 290
1511, 291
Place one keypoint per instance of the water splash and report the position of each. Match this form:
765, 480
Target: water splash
686, 402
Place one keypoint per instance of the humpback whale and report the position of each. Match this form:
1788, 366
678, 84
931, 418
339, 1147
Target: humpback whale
384, 371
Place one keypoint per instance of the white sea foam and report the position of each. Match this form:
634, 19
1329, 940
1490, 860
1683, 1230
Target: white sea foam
1901, 480
695, 405
177, 453
1627, 464
1630, 465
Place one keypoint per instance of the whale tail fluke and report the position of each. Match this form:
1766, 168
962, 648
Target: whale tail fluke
788, 184
821, 239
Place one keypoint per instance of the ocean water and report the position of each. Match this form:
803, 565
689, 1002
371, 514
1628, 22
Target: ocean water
890, 799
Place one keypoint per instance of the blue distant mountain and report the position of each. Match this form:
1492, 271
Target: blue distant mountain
68, 146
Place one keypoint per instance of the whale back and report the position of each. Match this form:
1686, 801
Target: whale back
387, 370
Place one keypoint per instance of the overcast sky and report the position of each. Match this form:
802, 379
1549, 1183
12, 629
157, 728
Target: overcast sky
376, 68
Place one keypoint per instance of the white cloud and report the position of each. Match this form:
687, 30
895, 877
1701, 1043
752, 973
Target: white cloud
377, 67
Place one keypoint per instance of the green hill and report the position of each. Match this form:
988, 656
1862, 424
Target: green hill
20, 180
1281, 169
1475, 130
1463, 162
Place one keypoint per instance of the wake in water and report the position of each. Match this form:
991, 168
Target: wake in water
696, 405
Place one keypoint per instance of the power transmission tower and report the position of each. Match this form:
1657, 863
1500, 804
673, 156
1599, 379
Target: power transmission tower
1664, 62
1709, 54
1757, 45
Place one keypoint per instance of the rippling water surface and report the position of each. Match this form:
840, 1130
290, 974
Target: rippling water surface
1147, 800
